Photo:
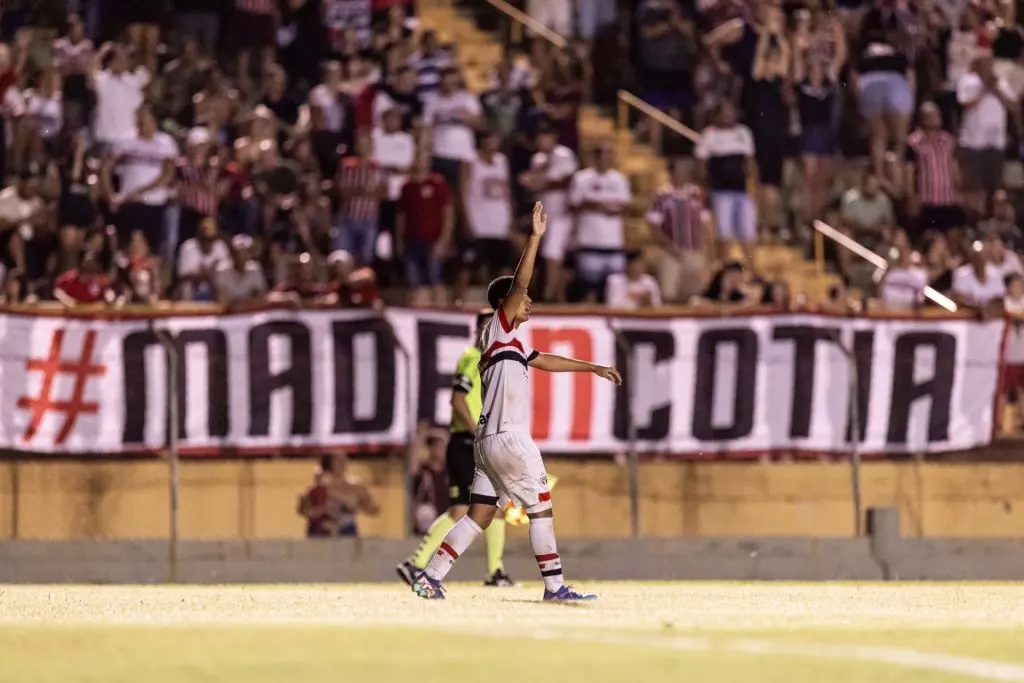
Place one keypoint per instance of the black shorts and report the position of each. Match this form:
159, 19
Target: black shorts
146, 218
461, 467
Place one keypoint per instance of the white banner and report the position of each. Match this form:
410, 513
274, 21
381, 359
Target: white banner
282, 381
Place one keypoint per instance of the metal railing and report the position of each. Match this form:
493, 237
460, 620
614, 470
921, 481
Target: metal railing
628, 100
520, 20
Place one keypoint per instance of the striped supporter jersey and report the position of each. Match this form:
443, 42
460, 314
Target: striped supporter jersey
506, 388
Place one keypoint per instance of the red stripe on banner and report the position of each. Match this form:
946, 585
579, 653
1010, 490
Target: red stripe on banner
547, 558
544, 496
448, 549
515, 344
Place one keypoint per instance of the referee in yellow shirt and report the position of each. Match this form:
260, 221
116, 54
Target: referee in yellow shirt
466, 406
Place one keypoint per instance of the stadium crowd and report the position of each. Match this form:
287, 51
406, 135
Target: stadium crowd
329, 151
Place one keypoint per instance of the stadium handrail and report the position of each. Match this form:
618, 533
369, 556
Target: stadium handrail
703, 310
521, 19
628, 99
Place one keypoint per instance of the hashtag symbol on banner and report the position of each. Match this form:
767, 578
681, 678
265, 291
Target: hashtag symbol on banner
52, 367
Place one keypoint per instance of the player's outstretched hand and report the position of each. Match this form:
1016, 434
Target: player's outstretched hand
540, 220
608, 373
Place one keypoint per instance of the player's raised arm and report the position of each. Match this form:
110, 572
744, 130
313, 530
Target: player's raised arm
524, 271
554, 363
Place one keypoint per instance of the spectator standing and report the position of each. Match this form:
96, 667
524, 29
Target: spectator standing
867, 211
142, 21
599, 196
933, 172
200, 259
987, 101
453, 114
330, 506
42, 122
1005, 261
119, 94
145, 166
961, 44
1003, 221
551, 172
979, 284
199, 20
817, 97
394, 151
331, 114
665, 55
428, 63
903, 284
725, 157
403, 96
76, 205
684, 231
73, 55
634, 288
423, 232
200, 183
362, 184
242, 283
487, 202
767, 94
1008, 46
280, 103
253, 31
22, 210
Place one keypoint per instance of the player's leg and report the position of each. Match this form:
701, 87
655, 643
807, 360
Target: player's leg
461, 468
527, 481
482, 506
494, 536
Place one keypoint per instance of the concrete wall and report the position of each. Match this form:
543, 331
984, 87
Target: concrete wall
256, 499
882, 556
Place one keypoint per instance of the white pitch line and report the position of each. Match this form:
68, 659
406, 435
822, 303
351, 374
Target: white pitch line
983, 669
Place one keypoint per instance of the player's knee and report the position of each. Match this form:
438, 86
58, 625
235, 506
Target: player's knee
541, 509
482, 514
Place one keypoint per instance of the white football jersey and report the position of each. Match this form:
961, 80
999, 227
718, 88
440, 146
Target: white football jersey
504, 373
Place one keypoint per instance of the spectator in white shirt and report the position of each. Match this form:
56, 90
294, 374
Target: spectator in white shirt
21, 211
550, 174
979, 284
394, 151
599, 196
634, 288
1004, 260
119, 93
44, 118
454, 115
904, 282
145, 167
199, 260
987, 100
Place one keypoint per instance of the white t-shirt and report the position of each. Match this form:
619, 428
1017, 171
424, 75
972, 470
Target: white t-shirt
15, 209
903, 287
621, 292
506, 382
595, 229
117, 99
141, 161
192, 259
394, 149
1011, 264
984, 125
330, 106
975, 292
558, 166
488, 206
453, 139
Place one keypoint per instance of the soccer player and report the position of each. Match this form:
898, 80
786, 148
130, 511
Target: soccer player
466, 405
508, 463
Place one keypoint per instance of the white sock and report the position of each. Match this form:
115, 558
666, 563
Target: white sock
456, 542
542, 539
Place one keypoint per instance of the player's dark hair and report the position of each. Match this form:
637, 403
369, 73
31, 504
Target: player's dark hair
498, 290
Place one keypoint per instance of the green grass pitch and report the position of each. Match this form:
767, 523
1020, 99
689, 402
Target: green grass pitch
635, 633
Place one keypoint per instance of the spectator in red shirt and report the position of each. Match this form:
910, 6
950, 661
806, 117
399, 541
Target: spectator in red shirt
423, 232
362, 184
84, 285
